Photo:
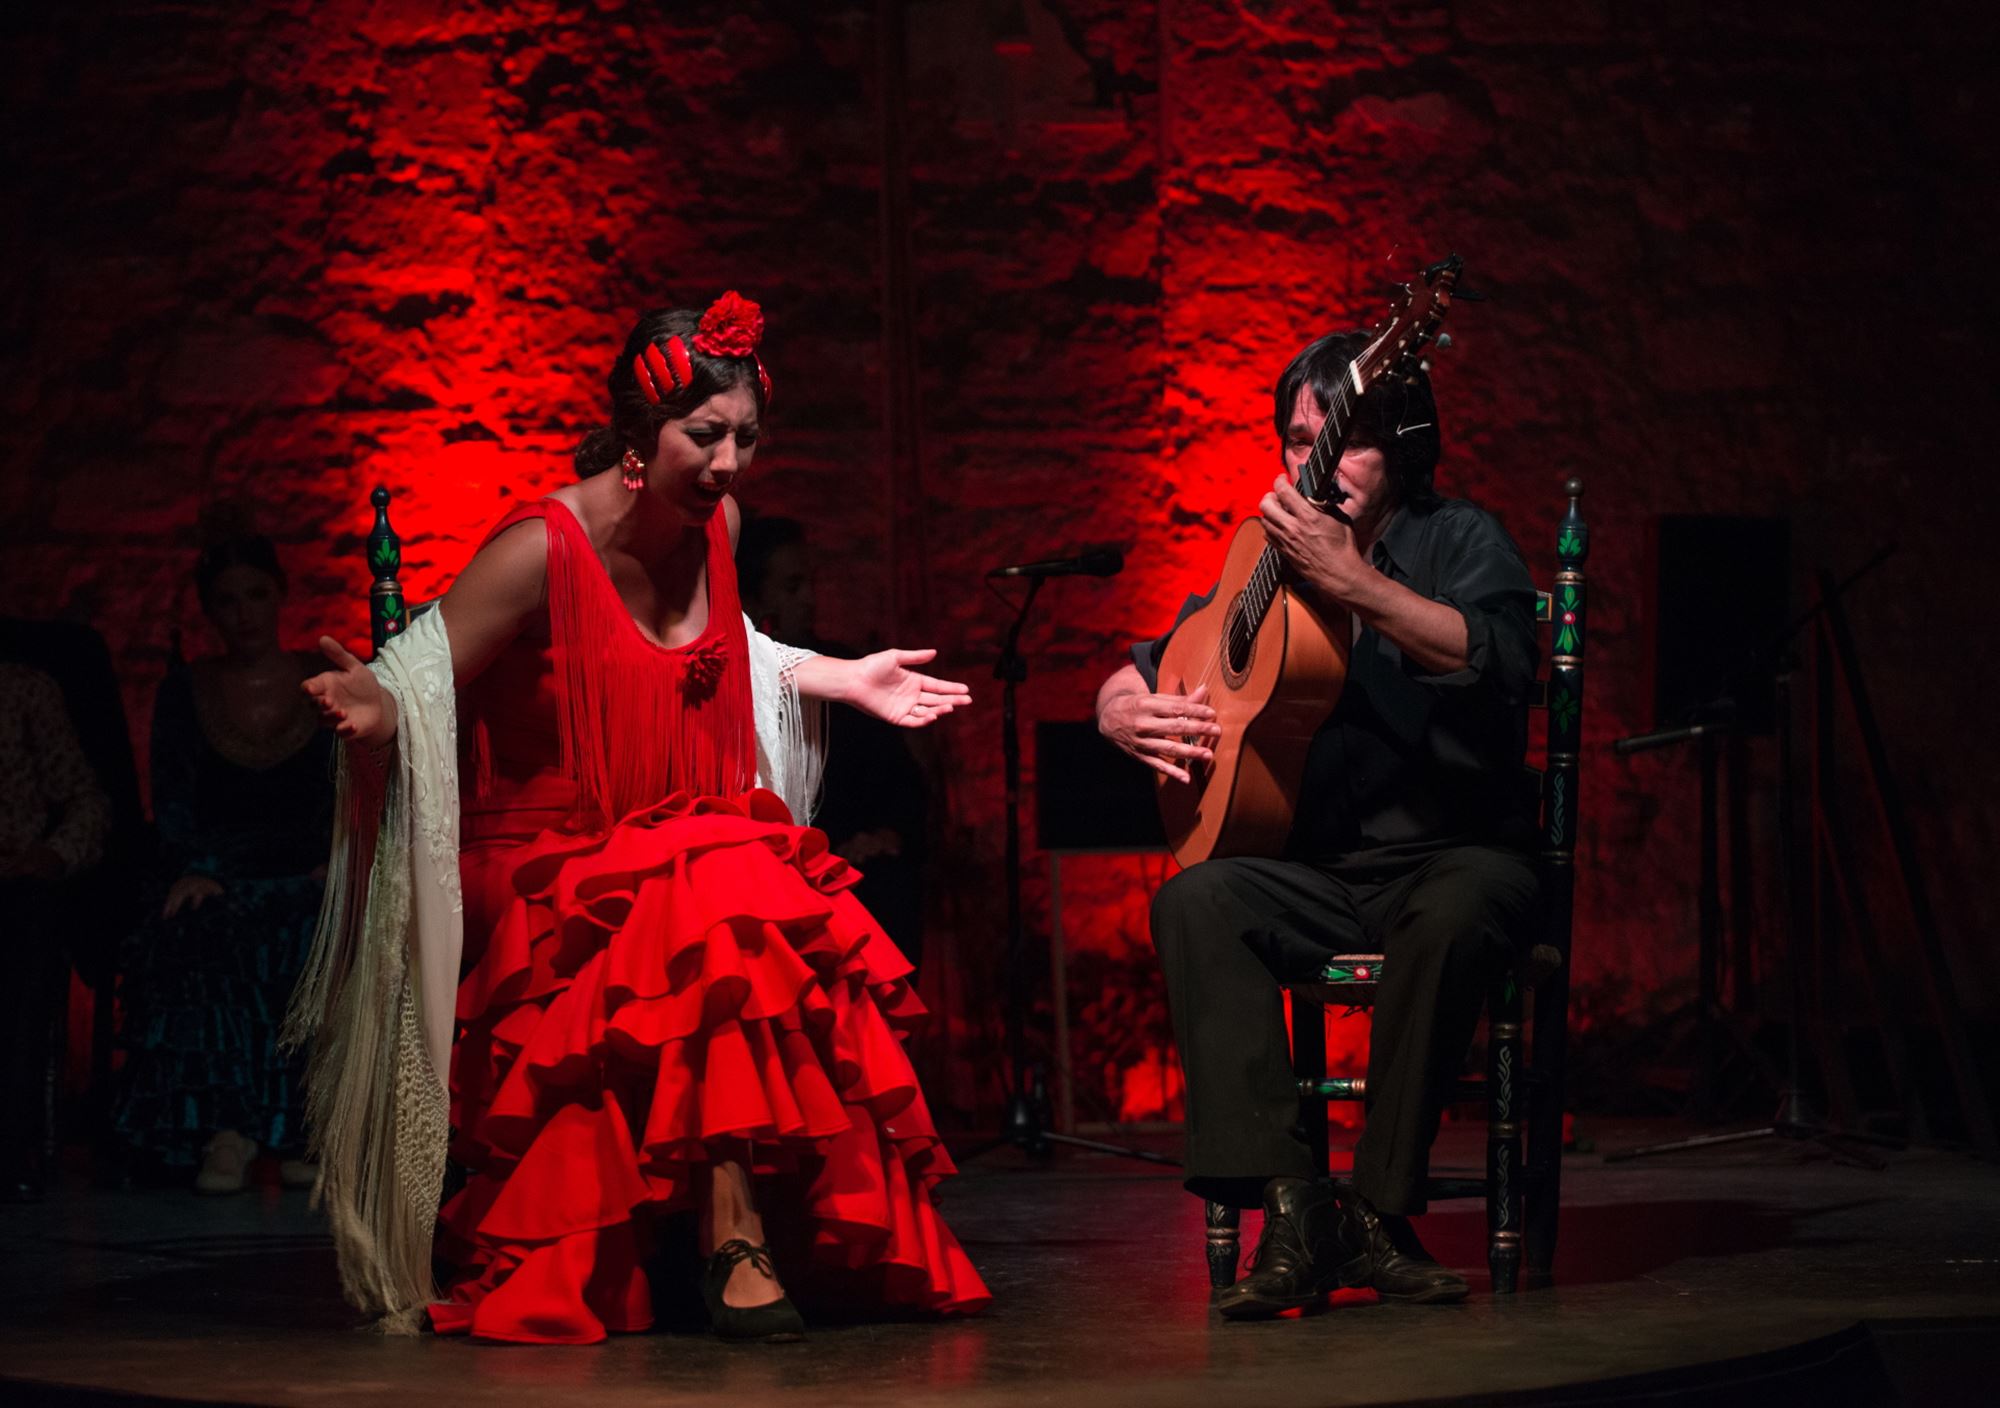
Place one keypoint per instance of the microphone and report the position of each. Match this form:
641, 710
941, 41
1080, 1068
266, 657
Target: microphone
1716, 716
1665, 739
1097, 562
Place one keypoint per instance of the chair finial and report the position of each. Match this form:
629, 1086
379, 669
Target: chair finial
388, 613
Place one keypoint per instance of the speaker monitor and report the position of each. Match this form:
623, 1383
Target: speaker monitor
1089, 796
1724, 589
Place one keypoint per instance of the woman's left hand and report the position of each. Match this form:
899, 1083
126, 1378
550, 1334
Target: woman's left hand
883, 684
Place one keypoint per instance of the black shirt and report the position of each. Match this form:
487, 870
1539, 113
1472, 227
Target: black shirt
1408, 759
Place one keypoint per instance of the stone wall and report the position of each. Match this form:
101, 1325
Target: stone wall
281, 252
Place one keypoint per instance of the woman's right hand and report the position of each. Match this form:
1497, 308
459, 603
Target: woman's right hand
351, 701
190, 892
1156, 729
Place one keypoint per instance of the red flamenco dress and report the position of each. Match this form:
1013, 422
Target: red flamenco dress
660, 966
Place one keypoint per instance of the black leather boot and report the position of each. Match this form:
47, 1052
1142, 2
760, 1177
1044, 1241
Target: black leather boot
778, 1322
1383, 1253
1298, 1255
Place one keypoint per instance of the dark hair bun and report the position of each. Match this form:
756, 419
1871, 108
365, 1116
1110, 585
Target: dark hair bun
598, 451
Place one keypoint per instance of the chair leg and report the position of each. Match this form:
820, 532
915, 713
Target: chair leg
1545, 1116
1309, 1066
1224, 1246
1505, 1068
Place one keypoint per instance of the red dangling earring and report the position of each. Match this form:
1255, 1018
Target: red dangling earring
632, 472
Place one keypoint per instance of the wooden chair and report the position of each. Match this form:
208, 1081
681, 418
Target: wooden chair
1523, 1087
388, 611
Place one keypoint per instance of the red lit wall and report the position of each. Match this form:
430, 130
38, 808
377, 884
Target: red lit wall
282, 252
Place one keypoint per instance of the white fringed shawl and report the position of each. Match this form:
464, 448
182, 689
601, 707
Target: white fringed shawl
376, 1001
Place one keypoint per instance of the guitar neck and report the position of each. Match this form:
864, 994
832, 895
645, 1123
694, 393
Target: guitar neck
1316, 475
1315, 481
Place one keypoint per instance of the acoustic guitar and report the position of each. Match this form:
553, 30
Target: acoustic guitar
1274, 664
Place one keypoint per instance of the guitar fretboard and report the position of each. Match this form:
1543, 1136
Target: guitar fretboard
1315, 481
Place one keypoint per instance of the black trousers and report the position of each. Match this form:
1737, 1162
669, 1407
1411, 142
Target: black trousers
1229, 932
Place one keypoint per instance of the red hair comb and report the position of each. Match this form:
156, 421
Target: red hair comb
661, 374
732, 327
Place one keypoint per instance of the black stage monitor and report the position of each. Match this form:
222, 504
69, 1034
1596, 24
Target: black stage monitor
1724, 588
1089, 796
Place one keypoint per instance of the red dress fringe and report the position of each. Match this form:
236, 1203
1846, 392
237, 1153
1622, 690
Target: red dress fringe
644, 995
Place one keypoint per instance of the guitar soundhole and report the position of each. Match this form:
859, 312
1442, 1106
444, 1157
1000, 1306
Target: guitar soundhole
1239, 645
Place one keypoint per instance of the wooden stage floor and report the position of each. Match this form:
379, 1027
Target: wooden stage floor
1744, 1272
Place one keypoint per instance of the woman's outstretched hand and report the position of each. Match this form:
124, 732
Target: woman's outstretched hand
351, 701
883, 684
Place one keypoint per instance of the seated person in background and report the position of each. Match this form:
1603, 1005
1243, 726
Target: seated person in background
873, 805
102, 907
70, 651
243, 797
53, 822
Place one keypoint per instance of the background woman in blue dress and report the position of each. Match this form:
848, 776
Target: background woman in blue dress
243, 797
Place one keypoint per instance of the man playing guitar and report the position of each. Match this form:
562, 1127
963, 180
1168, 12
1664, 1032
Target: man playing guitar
1411, 839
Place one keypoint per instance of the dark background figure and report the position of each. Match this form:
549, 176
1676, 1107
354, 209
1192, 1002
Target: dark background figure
54, 819
243, 800
101, 905
872, 807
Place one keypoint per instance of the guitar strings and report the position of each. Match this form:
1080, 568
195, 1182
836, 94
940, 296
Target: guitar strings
1264, 577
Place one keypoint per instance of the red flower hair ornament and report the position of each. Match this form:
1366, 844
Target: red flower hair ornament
732, 327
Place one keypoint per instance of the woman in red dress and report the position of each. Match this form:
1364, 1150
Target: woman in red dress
669, 1001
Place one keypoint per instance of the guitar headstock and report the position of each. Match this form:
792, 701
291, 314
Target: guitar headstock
1396, 347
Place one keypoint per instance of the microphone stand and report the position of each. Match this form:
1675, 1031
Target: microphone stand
1026, 1125
1795, 1119
1713, 723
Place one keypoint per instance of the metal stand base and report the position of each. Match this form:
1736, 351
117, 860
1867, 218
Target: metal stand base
1027, 1129
1793, 1121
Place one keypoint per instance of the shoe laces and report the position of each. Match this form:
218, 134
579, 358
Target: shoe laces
736, 1249
1390, 1237
1277, 1233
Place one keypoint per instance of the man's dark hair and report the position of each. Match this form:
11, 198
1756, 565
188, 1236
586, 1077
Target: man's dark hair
1399, 418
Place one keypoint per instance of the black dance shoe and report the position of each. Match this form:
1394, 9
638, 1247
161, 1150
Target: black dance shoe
776, 1323
1383, 1253
1298, 1257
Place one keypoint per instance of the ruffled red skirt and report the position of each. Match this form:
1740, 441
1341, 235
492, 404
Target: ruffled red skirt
647, 998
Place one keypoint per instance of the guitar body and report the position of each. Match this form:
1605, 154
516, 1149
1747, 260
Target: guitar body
1273, 665
1269, 699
